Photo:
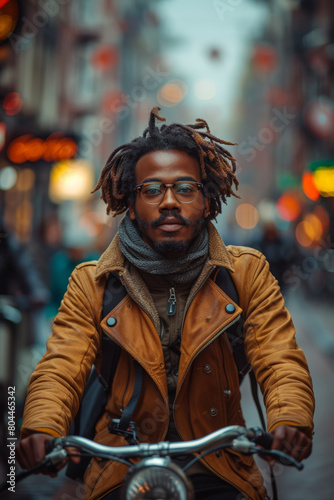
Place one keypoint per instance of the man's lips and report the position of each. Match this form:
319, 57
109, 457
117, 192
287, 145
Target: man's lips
170, 224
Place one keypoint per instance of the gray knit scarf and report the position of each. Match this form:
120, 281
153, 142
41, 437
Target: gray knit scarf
184, 269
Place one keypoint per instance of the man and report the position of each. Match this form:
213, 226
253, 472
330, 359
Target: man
167, 253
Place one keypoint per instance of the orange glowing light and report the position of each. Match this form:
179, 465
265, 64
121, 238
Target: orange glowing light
265, 58
172, 93
309, 186
105, 58
56, 147
247, 216
9, 15
304, 233
288, 207
313, 228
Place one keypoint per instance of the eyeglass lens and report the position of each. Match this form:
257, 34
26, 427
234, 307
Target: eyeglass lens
184, 192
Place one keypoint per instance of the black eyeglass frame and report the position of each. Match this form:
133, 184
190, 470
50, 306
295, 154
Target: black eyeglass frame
139, 188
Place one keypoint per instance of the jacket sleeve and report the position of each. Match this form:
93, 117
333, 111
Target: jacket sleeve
279, 364
57, 384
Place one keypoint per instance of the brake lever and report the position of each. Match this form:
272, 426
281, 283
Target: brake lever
55, 457
55, 454
282, 456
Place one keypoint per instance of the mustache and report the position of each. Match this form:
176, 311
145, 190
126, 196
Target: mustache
164, 216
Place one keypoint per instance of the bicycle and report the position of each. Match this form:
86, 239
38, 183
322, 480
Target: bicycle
155, 476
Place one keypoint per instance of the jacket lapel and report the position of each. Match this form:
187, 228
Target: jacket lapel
206, 318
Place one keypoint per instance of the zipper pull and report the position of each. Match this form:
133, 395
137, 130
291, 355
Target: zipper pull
171, 304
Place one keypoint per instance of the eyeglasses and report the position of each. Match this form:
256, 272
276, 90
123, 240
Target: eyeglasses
184, 191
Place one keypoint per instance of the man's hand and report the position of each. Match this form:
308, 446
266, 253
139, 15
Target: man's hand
291, 441
31, 451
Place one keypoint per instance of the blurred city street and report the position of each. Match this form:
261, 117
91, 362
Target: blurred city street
313, 322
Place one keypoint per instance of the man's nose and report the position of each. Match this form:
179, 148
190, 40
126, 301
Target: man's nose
169, 202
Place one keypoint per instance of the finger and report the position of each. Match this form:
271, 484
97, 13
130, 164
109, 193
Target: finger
74, 451
22, 457
280, 435
302, 447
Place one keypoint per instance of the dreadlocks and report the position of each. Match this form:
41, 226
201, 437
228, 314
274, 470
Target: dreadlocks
117, 179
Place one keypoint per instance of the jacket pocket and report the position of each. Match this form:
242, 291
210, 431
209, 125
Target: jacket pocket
239, 460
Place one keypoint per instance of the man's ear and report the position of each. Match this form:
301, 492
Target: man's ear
207, 207
132, 211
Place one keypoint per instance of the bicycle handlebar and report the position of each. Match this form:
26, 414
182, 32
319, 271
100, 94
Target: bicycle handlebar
142, 450
234, 437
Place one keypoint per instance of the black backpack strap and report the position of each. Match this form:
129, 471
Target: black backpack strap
114, 292
255, 394
95, 395
235, 331
235, 336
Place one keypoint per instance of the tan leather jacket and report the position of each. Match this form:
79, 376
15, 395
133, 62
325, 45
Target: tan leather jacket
207, 396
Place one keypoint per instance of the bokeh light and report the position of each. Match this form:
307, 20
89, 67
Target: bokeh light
70, 180
12, 103
247, 216
8, 178
172, 93
105, 58
314, 227
304, 233
205, 89
9, 15
319, 117
267, 211
289, 206
30, 148
309, 186
265, 58
324, 181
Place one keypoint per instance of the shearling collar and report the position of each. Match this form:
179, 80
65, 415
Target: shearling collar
113, 260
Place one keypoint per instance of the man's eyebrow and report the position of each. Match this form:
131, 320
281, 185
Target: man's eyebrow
182, 178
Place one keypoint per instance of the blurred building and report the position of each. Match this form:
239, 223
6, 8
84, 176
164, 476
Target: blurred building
286, 146
75, 77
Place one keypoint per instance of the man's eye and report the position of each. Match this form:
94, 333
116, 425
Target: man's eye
152, 189
185, 188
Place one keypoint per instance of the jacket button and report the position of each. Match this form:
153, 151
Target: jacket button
207, 368
230, 308
111, 321
213, 412
218, 454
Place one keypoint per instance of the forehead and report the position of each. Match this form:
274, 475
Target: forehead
167, 166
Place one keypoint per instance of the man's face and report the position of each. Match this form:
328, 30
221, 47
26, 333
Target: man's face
169, 226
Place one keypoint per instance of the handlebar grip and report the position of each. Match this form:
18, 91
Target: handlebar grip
262, 438
265, 439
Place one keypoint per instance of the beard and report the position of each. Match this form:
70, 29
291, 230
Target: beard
170, 247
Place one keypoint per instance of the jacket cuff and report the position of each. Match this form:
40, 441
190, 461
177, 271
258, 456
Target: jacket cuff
306, 430
27, 432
